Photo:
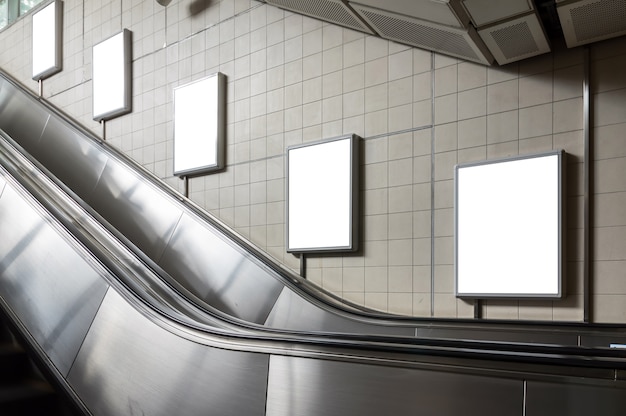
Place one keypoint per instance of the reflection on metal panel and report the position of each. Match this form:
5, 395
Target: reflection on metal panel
130, 366
19, 118
292, 312
45, 280
135, 208
224, 276
78, 163
302, 386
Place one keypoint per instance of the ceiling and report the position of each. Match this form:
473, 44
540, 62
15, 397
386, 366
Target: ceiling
490, 32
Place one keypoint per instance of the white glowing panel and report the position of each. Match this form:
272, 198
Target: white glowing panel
47, 44
112, 76
322, 196
199, 119
508, 240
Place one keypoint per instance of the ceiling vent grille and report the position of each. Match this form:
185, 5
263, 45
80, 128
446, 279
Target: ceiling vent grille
461, 43
328, 10
516, 39
591, 21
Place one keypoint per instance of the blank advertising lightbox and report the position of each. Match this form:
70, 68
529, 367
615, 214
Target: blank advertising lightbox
322, 196
509, 227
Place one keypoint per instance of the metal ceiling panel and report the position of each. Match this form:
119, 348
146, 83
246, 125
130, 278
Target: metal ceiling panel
588, 21
445, 12
460, 43
516, 39
334, 11
485, 12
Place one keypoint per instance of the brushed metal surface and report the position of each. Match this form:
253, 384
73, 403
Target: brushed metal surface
130, 366
81, 163
219, 272
148, 213
572, 398
19, 117
292, 312
499, 334
134, 207
304, 386
45, 280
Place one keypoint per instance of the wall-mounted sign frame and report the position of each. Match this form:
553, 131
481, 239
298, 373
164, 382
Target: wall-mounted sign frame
322, 196
48, 40
509, 218
112, 76
199, 126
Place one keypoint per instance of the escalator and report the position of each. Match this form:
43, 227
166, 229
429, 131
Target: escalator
119, 341
207, 260
126, 330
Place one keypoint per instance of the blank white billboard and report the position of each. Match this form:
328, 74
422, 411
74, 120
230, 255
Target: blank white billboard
322, 196
199, 125
112, 76
508, 227
47, 43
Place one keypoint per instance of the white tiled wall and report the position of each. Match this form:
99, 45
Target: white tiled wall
293, 79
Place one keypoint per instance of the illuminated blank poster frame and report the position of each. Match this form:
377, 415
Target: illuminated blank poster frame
322, 195
199, 126
508, 228
47, 40
112, 76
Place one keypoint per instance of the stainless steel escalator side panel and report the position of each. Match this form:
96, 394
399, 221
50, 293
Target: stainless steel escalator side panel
129, 365
19, 117
311, 387
76, 162
575, 397
135, 208
45, 280
218, 272
292, 312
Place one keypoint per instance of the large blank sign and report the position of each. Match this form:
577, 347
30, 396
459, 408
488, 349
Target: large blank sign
112, 76
322, 187
199, 120
47, 31
508, 240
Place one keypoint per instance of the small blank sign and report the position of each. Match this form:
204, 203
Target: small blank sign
112, 76
199, 126
47, 31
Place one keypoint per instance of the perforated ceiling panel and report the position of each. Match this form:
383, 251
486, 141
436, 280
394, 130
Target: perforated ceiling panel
447, 12
486, 12
516, 39
461, 43
592, 20
328, 10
